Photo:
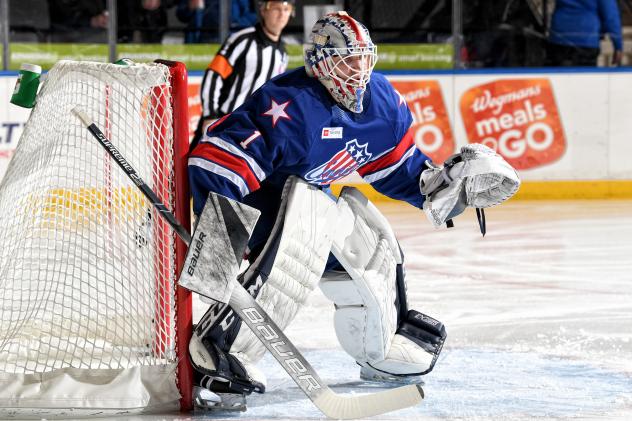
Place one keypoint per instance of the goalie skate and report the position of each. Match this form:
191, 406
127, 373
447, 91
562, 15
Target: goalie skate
205, 400
373, 375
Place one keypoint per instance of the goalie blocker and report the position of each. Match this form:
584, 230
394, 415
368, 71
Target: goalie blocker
372, 319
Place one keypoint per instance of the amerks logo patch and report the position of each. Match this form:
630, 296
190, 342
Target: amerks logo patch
332, 133
341, 164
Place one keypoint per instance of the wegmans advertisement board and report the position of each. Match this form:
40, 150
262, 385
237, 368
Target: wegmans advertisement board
558, 126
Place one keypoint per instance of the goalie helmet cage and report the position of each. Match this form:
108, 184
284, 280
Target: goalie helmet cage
91, 319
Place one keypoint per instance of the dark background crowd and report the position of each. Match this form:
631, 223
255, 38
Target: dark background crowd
498, 33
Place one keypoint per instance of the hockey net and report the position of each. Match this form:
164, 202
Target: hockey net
90, 316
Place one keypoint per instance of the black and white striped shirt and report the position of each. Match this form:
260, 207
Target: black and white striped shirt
246, 60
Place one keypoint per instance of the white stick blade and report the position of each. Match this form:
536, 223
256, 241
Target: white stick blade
362, 406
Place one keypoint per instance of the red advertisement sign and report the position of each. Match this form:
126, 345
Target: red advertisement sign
518, 118
431, 125
195, 107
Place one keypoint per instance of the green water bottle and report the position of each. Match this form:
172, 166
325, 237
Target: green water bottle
26, 87
124, 62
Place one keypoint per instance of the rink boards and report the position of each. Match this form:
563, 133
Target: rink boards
568, 133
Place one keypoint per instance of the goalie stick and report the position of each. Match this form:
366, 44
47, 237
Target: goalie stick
327, 401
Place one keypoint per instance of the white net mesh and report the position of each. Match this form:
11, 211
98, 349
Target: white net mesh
86, 266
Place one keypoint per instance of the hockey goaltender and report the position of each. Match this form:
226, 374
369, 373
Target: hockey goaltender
278, 153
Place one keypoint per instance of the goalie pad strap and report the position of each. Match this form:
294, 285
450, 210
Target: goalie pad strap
425, 331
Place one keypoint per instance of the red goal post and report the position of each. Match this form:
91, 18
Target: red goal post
182, 211
91, 317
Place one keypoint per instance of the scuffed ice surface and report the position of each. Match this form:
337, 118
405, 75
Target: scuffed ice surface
538, 313
467, 383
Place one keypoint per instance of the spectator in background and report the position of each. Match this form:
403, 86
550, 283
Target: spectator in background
78, 20
142, 20
87, 20
505, 33
202, 18
576, 30
243, 13
246, 60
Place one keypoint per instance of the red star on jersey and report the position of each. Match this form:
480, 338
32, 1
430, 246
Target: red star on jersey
277, 111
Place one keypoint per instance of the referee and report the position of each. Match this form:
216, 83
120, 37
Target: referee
247, 59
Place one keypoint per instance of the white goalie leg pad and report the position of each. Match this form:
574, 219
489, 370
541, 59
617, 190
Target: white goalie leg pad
299, 247
365, 296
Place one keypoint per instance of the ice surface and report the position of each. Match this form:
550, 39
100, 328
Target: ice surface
538, 313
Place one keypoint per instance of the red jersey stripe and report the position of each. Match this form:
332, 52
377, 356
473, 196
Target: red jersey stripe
236, 164
390, 158
216, 123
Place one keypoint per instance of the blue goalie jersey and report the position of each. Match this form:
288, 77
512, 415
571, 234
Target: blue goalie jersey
292, 126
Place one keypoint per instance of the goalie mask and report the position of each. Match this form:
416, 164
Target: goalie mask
342, 56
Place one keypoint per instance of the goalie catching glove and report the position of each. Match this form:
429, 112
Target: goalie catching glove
477, 177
